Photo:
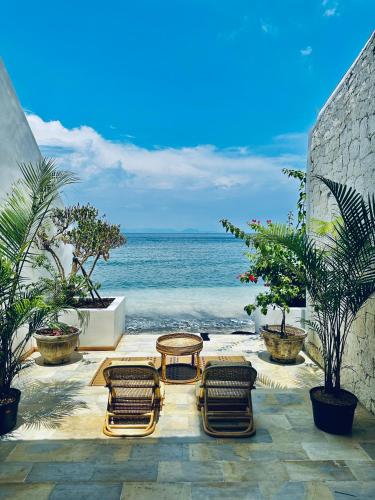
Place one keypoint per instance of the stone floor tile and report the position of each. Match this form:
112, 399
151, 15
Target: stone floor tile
172, 451
369, 449
133, 470
290, 490
248, 471
109, 454
281, 437
83, 491
307, 470
14, 472
243, 491
277, 454
344, 490
22, 491
223, 452
363, 471
89, 427
5, 448
156, 491
60, 471
261, 435
333, 451
170, 472
273, 421
52, 451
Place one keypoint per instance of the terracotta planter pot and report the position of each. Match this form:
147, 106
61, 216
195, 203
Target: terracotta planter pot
9, 411
283, 350
56, 350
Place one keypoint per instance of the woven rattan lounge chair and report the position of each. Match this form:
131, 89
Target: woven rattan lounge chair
225, 398
134, 399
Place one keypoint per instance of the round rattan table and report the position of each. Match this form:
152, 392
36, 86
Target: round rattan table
179, 344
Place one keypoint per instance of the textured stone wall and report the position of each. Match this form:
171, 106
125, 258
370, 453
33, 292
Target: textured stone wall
342, 148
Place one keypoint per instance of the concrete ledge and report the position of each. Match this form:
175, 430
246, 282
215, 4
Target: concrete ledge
295, 317
105, 327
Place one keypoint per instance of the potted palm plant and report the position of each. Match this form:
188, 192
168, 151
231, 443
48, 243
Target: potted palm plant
340, 278
21, 304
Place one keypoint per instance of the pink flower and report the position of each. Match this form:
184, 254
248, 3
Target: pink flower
269, 221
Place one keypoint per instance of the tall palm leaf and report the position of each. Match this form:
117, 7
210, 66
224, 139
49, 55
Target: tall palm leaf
23, 212
340, 272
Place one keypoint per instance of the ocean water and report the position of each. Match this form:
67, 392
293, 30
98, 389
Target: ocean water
180, 282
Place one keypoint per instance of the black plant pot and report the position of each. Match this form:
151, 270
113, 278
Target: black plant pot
333, 415
9, 411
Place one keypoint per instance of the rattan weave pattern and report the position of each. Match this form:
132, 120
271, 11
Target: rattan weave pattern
179, 344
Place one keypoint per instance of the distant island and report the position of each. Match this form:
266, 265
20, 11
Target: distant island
189, 230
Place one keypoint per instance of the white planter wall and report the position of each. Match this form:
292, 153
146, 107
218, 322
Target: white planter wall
294, 317
105, 326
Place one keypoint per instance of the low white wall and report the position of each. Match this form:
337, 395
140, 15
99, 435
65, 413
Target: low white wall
105, 326
294, 317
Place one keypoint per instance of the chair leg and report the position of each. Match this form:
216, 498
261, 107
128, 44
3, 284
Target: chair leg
163, 367
249, 431
116, 431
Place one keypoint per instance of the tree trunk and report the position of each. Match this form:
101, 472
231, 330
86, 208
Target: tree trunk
283, 334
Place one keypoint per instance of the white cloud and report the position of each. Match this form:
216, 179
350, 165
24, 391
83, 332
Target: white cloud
306, 51
85, 151
268, 28
331, 8
330, 12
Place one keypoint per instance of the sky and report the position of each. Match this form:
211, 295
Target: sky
177, 113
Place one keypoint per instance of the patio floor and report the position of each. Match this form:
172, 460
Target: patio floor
58, 449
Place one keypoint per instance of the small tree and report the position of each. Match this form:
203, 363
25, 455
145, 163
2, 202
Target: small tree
91, 236
281, 271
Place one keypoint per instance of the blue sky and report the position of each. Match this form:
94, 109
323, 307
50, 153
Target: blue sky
178, 113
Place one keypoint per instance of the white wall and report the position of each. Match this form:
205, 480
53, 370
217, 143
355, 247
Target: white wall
17, 143
342, 148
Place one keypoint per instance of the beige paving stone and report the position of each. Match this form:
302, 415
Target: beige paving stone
26, 491
352, 489
5, 448
13, 472
363, 471
277, 422
91, 490
335, 451
247, 471
180, 471
289, 490
229, 491
52, 451
87, 426
121, 453
223, 452
156, 491
307, 470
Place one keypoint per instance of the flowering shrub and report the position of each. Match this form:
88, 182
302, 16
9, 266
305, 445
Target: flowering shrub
281, 272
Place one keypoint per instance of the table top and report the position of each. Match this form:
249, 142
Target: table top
179, 343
